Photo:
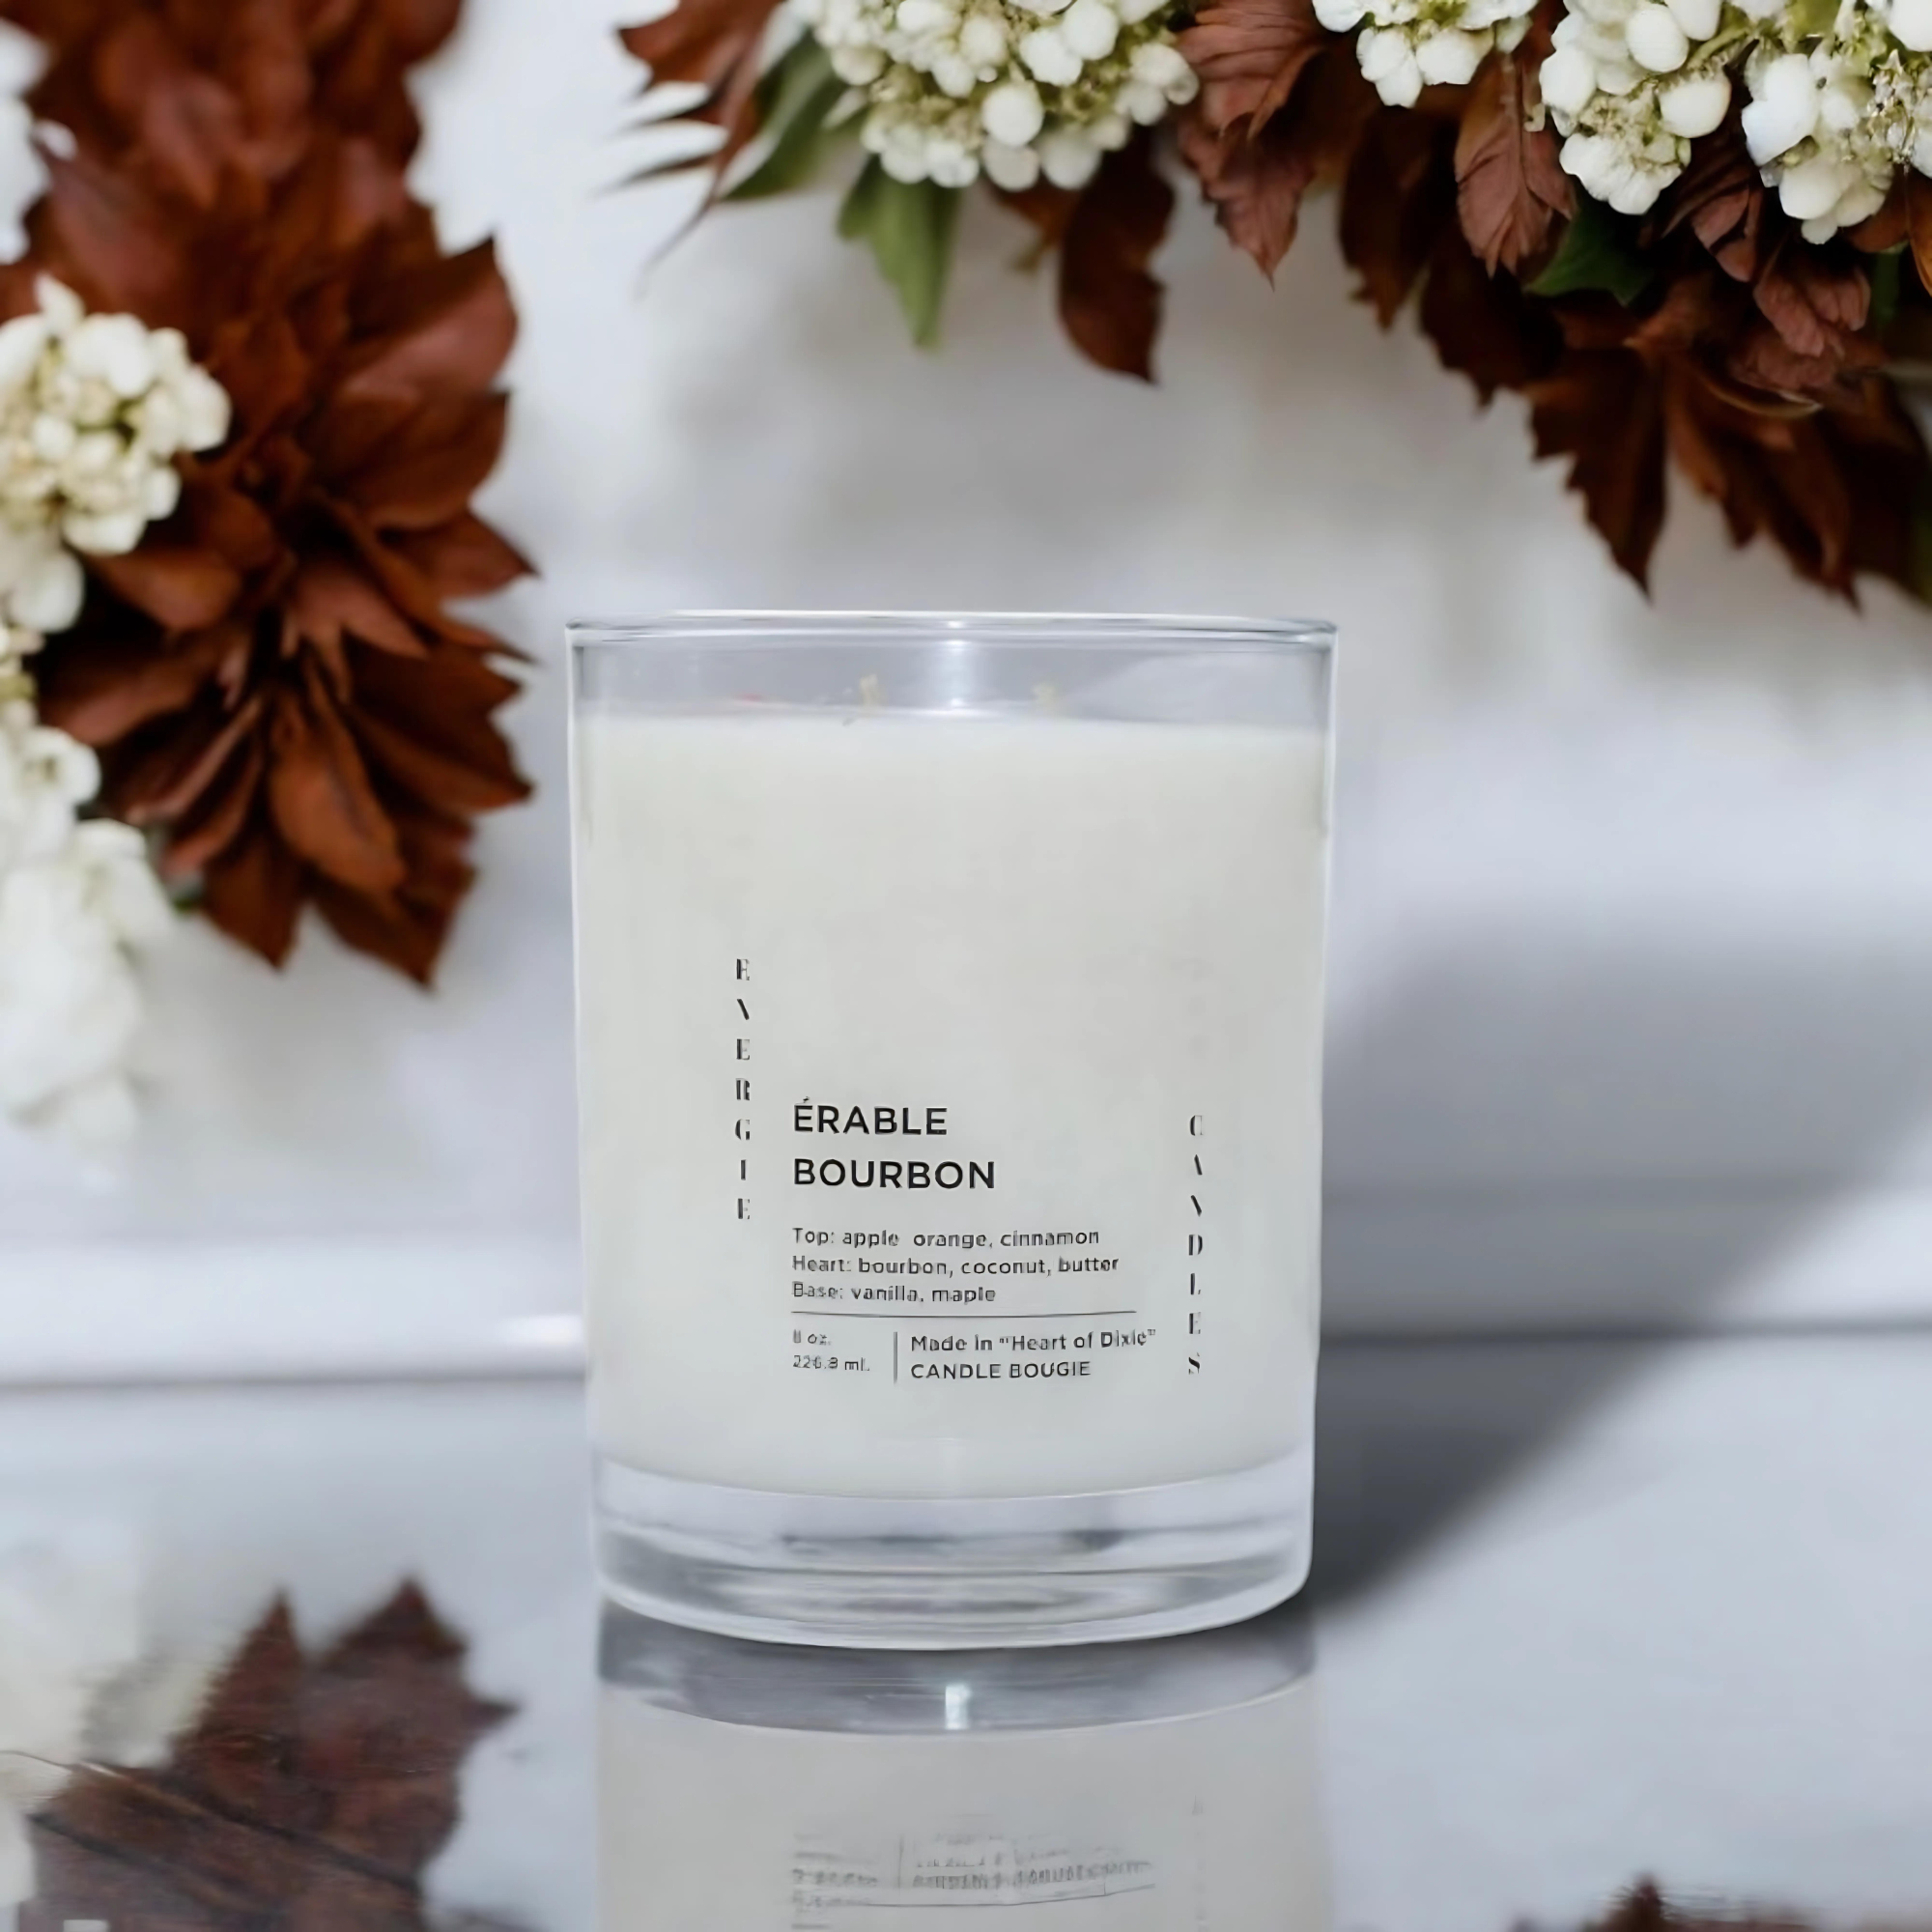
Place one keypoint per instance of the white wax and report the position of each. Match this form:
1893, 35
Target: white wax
1208, 1821
1089, 955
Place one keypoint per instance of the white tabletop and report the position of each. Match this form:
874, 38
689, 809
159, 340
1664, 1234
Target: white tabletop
1582, 1611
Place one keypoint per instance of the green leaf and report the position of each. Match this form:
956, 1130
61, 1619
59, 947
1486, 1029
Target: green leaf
802, 142
1884, 286
1814, 17
909, 227
1598, 251
795, 100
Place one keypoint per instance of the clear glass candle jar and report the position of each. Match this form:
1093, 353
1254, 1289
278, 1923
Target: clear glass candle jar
950, 1003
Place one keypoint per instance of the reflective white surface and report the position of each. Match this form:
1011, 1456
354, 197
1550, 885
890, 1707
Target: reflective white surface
1581, 1612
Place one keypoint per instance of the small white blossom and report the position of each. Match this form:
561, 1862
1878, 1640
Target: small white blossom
94, 409
1834, 117
1631, 84
1016, 90
1835, 108
71, 1003
1406, 45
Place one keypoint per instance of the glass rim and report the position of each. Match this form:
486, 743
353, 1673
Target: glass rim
995, 629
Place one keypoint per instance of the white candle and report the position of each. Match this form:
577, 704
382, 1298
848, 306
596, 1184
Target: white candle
950, 1096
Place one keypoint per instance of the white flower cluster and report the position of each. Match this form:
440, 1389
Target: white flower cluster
1632, 83
1406, 45
1831, 122
75, 897
94, 409
1831, 115
1013, 89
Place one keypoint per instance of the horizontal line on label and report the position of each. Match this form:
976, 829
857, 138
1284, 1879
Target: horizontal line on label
886, 1315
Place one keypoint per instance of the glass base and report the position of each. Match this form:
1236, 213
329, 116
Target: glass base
930, 1574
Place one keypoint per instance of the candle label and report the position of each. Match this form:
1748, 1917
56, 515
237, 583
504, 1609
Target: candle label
951, 1110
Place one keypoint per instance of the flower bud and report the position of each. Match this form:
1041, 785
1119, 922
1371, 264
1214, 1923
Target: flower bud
1091, 28
1699, 18
1048, 58
923, 17
1011, 114
1910, 24
1160, 64
1450, 58
1068, 159
1389, 64
1812, 187
1015, 169
1783, 110
955, 75
1655, 42
1568, 81
983, 39
856, 67
1696, 108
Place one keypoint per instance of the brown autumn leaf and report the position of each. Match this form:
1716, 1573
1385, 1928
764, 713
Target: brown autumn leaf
1816, 303
1110, 300
420, 27
1602, 412
1399, 195
301, 588
698, 42
464, 558
1510, 189
1250, 54
1835, 488
716, 46
311, 1792
411, 924
320, 794
130, 76
181, 587
1483, 326
1919, 224
1046, 210
1256, 182
1878, 234
1720, 198
253, 885
331, 597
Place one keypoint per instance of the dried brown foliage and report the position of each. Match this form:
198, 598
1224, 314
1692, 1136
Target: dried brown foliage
1511, 190
716, 46
1732, 351
308, 1795
275, 679
1749, 362
1109, 298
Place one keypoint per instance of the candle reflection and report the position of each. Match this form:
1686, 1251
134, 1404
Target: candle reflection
1147, 1787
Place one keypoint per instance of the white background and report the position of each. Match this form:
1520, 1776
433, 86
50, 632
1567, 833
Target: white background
1633, 955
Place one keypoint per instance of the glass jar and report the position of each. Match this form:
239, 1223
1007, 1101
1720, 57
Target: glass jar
950, 1013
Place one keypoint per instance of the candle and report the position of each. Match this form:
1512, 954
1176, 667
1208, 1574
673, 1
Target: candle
1143, 1788
950, 1128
